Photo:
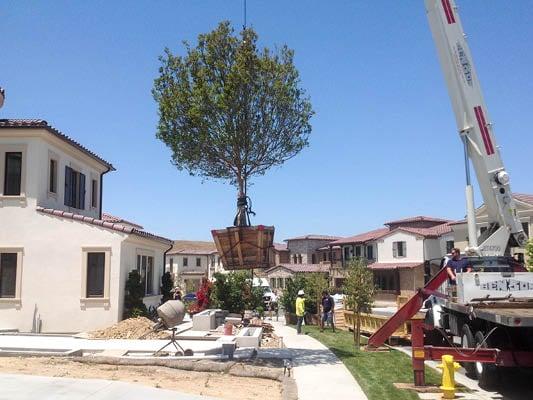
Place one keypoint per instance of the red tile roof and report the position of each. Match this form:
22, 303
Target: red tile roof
193, 247
103, 224
418, 218
297, 268
394, 265
118, 220
42, 124
362, 237
280, 247
314, 237
524, 198
433, 232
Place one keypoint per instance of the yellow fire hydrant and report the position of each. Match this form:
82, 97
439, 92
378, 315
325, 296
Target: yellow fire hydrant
448, 367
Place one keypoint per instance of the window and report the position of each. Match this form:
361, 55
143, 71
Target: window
8, 275
52, 179
358, 251
525, 227
346, 253
450, 244
387, 281
294, 259
324, 256
185, 262
299, 258
145, 266
369, 252
171, 265
198, 262
13, 174
398, 249
95, 274
94, 193
280, 283
74, 189
313, 258
273, 283
218, 261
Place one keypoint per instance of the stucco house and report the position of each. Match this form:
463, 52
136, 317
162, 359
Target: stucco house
400, 254
64, 263
305, 249
279, 275
524, 208
190, 261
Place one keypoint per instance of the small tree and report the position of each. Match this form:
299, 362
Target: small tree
316, 284
167, 286
230, 111
133, 300
529, 255
359, 289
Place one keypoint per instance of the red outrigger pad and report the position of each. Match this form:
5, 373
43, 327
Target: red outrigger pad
245, 247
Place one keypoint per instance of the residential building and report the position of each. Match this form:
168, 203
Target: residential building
191, 261
304, 249
279, 275
401, 254
64, 263
524, 208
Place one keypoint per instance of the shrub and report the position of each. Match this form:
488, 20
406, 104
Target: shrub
288, 299
167, 286
133, 297
234, 292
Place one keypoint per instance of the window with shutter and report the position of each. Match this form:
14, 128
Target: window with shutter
81, 192
68, 186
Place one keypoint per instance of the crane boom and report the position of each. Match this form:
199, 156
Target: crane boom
476, 132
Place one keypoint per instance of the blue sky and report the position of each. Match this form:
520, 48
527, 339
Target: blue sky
384, 142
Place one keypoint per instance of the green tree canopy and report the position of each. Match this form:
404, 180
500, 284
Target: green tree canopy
229, 110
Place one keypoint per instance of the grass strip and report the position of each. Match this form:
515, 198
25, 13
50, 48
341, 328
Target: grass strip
375, 371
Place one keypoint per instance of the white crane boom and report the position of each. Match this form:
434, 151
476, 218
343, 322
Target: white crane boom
476, 132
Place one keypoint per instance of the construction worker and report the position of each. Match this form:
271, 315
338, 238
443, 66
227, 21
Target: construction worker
300, 311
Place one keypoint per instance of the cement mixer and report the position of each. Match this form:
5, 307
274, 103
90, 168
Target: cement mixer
170, 314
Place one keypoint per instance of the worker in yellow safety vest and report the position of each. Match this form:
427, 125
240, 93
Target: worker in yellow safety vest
300, 311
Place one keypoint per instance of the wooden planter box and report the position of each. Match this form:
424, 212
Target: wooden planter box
245, 247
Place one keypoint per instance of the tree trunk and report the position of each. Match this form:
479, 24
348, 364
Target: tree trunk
354, 329
358, 333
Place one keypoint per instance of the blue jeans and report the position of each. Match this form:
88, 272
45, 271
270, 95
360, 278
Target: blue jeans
299, 324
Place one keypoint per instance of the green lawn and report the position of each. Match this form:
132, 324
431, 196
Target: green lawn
375, 371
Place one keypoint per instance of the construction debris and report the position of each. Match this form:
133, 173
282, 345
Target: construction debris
131, 328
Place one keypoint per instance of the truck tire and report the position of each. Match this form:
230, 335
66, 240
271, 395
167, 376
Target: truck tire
468, 341
487, 374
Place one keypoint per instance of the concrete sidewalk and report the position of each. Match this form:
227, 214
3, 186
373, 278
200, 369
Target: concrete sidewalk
319, 374
28, 387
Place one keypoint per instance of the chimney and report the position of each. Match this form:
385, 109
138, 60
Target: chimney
2, 96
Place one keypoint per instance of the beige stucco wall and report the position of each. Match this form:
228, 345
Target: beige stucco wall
410, 280
414, 248
38, 146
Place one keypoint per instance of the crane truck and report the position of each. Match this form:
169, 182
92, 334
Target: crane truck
486, 321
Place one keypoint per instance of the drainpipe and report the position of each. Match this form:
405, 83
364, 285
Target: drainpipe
102, 191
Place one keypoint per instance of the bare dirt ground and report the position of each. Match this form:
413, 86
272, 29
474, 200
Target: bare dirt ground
199, 383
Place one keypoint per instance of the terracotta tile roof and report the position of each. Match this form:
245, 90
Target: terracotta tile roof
118, 220
362, 237
524, 198
103, 224
314, 237
280, 247
418, 218
193, 247
394, 265
297, 268
42, 124
433, 232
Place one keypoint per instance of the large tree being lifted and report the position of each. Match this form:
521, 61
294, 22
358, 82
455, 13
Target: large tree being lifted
229, 110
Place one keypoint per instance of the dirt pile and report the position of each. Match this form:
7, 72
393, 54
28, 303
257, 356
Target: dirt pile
131, 328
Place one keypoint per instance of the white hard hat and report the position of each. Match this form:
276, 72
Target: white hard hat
300, 292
